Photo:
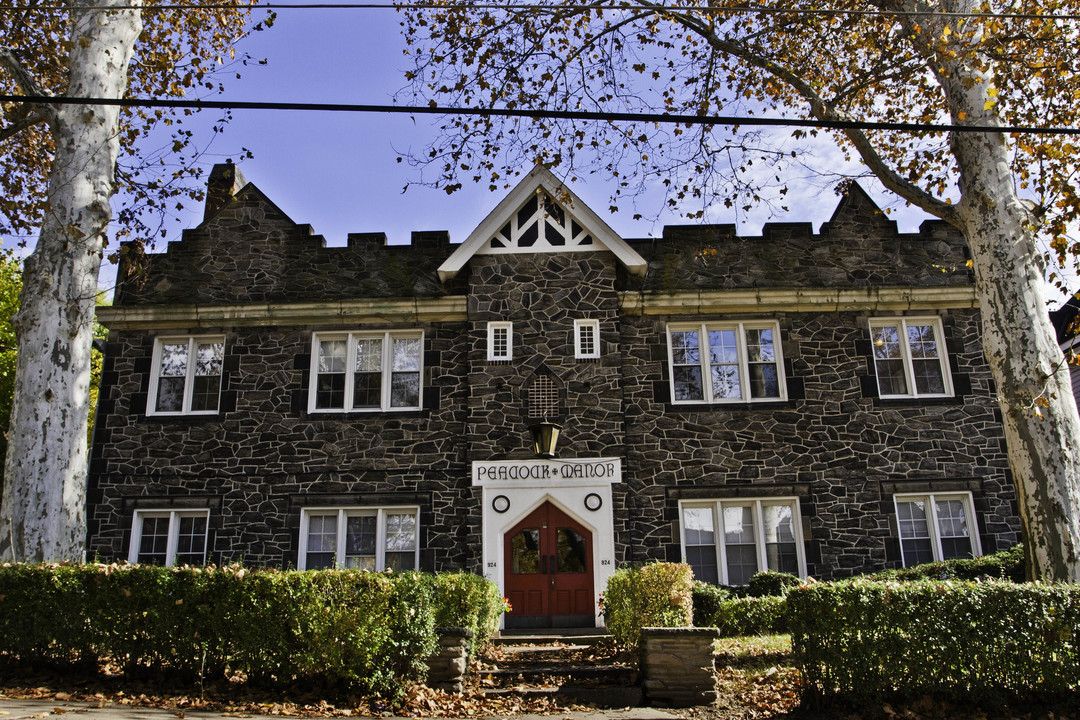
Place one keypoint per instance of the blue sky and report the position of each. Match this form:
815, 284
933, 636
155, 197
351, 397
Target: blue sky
339, 173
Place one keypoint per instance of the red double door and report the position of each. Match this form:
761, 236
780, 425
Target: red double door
549, 571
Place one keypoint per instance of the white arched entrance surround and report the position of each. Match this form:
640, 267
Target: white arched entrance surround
581, 487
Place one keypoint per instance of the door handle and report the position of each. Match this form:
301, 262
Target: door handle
543, 564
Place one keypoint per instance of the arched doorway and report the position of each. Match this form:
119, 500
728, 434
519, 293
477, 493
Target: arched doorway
549, 571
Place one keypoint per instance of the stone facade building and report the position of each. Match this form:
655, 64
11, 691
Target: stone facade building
816, 403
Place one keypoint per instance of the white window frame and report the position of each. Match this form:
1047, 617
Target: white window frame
932, 520
174, 532
587, 325
380, 513
387, 337
494, 329
740, 328
716, 506
189, 380
905, 350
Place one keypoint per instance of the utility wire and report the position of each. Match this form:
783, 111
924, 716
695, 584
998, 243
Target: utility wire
744, 9
541, 114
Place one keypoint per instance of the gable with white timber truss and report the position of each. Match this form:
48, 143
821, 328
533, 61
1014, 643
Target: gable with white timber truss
541, 215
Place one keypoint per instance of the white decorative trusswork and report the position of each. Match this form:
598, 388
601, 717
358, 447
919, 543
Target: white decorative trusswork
541, 215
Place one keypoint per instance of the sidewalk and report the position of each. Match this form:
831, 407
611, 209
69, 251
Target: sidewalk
11, 709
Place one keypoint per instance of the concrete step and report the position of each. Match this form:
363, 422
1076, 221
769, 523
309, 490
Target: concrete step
601, 697
546, 636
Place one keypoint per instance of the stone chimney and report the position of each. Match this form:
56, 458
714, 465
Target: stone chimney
225, 181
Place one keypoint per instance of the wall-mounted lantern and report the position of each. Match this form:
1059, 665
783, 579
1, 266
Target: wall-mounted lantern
545, 437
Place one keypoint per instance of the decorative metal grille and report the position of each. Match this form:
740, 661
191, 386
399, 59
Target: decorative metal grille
543, 398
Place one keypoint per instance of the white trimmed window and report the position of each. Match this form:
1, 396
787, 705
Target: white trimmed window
366, 371
360, 538
500, 341
937, 526
186, 375
728, 541
726, 362
169, 537
910, 358
587, 339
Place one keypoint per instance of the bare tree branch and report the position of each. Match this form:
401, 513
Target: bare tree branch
27, 85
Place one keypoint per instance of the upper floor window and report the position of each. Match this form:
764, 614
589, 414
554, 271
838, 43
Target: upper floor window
909, 357
586, 339
169, 537
729, 541
366, 371
186, 376
360, 538
936, 527
500, 340
726, 362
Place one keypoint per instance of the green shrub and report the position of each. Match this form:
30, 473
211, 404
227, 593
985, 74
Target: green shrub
464, 600
368, 631
653, 595
751, 616
864, 642
1002, 565
775, 584
707, 599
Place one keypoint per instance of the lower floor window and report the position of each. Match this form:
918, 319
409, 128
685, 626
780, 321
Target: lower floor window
359, 538
728, 541
169, 537
936, 527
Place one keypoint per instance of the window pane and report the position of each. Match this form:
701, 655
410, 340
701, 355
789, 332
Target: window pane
724, 359
525, 549
685, 349
722, 347
360, 540
702, 559
208, 359
725, 382
191, 543
170, 397
570, 551
888, 357
914, 532
332, 354
764, 381
759, 346
928, 378
500, 342
400, 532
587, 339
698, 526
400, 561
330, 392
406, 354
204, 393
739, 544
405, 389
322, 541
174, 359
953, 529
154, 540
367, 390
369, 355
688, 383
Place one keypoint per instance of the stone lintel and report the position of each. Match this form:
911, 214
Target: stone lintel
875, 299
346, 312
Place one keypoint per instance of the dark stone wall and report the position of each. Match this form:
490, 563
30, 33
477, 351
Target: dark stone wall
833, 444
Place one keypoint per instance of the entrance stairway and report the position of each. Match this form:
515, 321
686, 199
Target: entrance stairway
571, 666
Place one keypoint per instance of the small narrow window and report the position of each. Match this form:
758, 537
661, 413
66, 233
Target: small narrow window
500, 341
169, 537
586, 339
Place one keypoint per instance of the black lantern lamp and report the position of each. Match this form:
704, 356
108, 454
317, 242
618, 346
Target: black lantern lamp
545, 437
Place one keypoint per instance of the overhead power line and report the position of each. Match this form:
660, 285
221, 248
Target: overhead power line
737, 10
541, 114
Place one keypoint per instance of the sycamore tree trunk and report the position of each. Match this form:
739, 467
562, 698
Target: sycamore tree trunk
1040, 416
43, 516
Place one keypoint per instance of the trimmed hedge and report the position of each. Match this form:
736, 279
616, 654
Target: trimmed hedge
465, 600
766, 615
653, 595
707, 599
771, 584
861, 641
371, 632
1003, 565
